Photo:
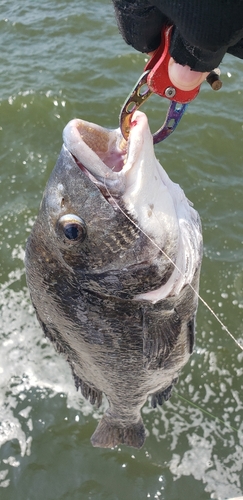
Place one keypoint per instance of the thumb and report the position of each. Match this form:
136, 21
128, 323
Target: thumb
183, 77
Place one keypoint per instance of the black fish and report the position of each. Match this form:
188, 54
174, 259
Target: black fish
103, 289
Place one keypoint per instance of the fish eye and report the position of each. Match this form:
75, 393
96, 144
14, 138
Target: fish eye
72, 228
71, 231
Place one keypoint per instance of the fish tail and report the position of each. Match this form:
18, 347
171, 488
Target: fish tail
110, 432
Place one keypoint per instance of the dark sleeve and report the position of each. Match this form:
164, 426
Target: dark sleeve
140, 23
204, 30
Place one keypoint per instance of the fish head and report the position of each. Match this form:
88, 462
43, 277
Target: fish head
110, 215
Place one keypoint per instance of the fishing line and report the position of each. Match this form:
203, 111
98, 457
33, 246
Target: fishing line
226, 424
224, 327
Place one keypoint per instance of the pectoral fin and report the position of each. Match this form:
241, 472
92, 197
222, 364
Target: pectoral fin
160, 336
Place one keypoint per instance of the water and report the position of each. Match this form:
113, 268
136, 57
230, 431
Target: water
61, 60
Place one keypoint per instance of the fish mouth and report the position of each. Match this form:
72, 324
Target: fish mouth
104, 155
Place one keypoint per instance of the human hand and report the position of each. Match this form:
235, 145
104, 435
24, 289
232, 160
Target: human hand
183, 77
204, 30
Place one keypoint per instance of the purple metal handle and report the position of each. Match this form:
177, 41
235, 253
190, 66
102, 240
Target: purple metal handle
174, 114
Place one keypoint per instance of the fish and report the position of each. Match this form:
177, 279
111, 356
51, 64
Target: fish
113, 266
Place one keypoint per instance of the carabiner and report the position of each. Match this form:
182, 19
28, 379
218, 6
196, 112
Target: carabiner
155, 79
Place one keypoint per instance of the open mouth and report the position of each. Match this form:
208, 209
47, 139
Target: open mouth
100, 153
105, 156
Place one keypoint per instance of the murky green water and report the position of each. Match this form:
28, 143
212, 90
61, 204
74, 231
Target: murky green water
61, 60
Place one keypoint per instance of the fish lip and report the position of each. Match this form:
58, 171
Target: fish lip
111, 175
89, 161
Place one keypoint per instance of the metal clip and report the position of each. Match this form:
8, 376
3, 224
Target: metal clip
174, 115
138, 96
156, 80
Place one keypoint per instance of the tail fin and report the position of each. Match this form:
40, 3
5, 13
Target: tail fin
110, 433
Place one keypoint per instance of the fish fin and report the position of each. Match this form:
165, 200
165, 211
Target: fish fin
109, 433
159, 337
159, 397
93, 395
191, 325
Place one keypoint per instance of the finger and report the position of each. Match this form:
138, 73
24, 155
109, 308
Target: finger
183, 77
